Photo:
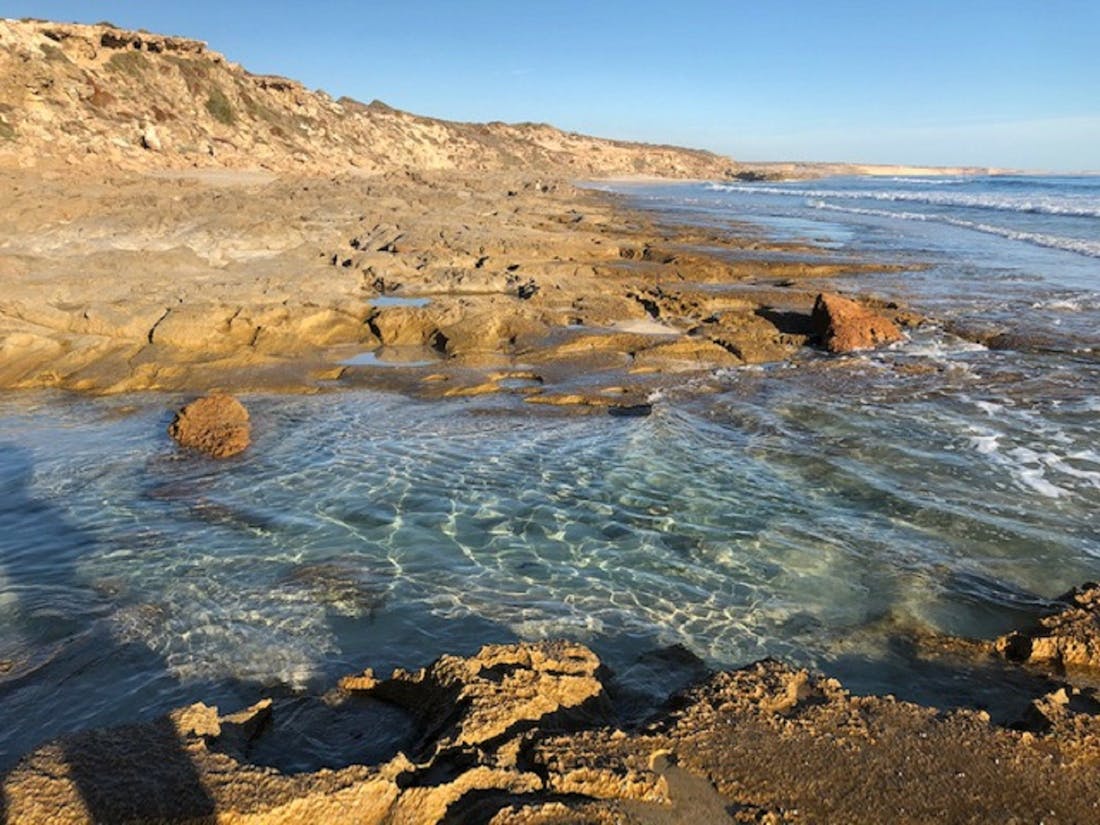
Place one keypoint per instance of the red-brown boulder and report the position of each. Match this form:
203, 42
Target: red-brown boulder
842, 325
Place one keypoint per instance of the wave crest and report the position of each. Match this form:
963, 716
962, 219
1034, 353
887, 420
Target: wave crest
1090, 248
1083, 207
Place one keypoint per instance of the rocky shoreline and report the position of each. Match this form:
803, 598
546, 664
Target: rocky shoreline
536, 733
460, 285
247, 235
465, 286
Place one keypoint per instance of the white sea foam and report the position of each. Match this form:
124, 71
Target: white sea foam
1077, 303
1090, 248
929, 181
1060, 303
1029, 468
1084, 207
1034, 478
935, 344
989, 408
985, 444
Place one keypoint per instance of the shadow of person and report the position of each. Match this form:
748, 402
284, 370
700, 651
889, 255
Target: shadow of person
49, 634
136, 773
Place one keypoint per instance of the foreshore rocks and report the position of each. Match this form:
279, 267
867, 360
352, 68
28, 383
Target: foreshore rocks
217, 425
278, 281
844, 325
502, 691
1069, 638
530, 733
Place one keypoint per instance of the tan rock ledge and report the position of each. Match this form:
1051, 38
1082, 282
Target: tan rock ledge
529, 733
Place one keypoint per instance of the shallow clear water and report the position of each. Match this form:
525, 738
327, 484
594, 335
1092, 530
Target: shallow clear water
806, 511
405, 356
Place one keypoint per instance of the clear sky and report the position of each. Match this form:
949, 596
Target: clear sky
986, 82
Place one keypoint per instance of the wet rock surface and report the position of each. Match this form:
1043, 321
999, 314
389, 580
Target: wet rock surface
530, 733
217, 425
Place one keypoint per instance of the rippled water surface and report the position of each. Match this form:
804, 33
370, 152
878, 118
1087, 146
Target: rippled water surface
806, 511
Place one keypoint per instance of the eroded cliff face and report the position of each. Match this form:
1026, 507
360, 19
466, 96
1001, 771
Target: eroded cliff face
81, 94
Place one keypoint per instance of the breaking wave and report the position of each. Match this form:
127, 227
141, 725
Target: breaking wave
1081, 247
1085, 207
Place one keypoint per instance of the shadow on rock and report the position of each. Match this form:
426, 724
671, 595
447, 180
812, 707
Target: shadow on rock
57, 638
643, 687
946, 677
150, 775
788, 322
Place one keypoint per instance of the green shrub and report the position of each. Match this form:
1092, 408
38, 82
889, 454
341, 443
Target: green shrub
194, 73
54, 54
7, 132
131, 63
219, 107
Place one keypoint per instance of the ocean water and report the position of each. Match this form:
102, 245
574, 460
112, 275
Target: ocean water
1016, 253
818, 511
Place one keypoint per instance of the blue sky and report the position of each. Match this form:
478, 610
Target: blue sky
1012, 83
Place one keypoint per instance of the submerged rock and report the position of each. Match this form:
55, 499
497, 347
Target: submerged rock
630, 410
843, 325
217, 425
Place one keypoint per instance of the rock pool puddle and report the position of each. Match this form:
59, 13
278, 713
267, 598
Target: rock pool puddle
407, 357
398, 301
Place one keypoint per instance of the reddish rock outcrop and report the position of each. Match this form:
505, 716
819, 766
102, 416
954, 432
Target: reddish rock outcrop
217, 425
843, 325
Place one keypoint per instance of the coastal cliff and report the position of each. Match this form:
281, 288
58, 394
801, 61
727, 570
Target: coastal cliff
96, 94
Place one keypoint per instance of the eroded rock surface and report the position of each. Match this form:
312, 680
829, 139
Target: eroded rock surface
503, 690
279, 281
284, 217
217, 425
844, 325
526, 734
1070, 638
